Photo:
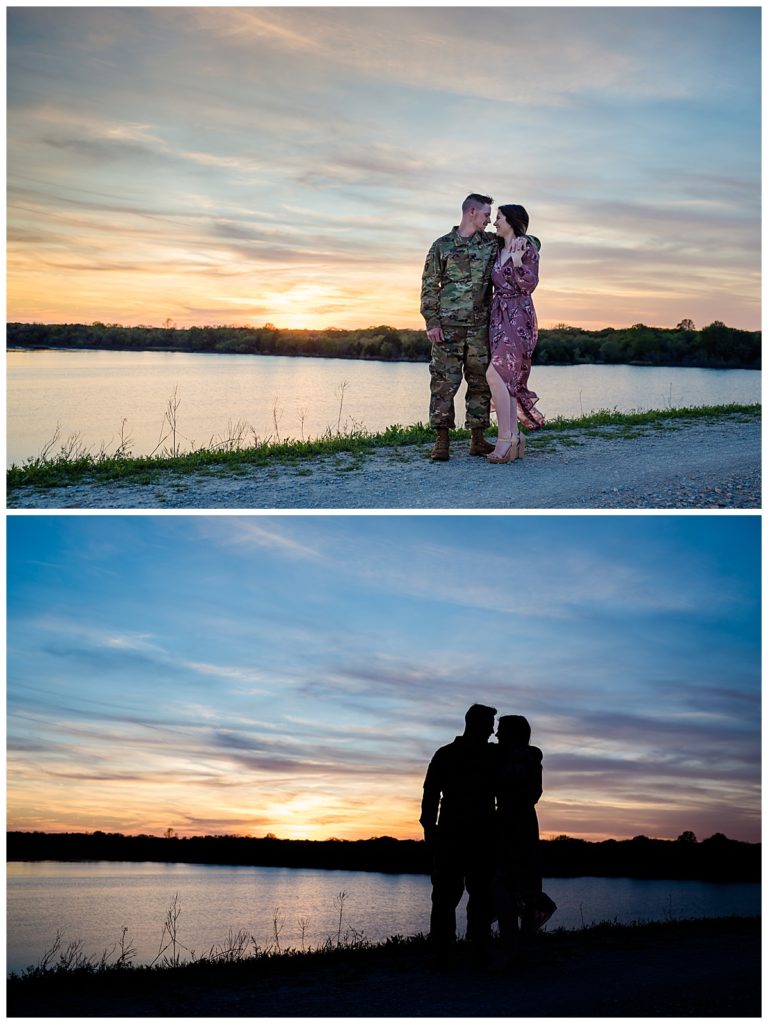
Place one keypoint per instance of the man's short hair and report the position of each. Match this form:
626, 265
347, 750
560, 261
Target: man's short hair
479, 713
476, 200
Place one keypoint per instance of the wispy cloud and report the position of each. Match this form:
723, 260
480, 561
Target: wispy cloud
276, 537
296, 674
567, 580
316, 120
572, 58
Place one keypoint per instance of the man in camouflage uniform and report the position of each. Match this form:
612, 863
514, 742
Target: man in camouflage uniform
455, 302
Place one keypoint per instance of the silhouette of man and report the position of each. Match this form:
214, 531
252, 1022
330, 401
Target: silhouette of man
457, 815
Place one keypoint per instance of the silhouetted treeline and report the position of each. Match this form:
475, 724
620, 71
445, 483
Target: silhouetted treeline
717, 858
715, 346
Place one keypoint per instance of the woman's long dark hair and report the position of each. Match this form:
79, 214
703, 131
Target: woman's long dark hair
515, 729
517, 218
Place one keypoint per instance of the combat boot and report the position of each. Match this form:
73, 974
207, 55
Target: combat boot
441, 450
478, 445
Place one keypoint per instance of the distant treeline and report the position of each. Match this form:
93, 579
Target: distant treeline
716, 858
715, 346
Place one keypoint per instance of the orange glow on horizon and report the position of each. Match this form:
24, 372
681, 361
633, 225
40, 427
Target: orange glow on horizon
318, 833
310, 322
308, 818
320, 299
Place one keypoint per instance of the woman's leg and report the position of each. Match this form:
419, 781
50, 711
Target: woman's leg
506, 409
506, 914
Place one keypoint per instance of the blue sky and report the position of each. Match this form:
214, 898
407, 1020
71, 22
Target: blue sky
293, 165
294, 674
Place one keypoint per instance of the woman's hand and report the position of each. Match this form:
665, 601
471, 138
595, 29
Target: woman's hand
516, 250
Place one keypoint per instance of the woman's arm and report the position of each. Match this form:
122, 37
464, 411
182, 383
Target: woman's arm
534, 778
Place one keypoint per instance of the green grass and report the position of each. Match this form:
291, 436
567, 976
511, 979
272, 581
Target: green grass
612, 417
58, 470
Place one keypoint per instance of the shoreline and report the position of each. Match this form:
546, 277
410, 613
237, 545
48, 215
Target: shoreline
695, 458
714, 859
289, 355
701, 967
11, 347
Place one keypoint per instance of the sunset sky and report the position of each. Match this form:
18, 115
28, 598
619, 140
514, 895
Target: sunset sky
293, 165
294, 674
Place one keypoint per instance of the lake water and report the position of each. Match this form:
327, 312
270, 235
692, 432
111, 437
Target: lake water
89, 393
93, 901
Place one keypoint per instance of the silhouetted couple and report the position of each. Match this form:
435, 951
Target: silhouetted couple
479, 819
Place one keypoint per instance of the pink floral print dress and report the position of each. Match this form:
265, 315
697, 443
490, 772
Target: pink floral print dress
514, 330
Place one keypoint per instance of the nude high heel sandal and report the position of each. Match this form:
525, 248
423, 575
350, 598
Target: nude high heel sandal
509, 455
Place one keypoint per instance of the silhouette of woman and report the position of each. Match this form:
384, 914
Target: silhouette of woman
521, 905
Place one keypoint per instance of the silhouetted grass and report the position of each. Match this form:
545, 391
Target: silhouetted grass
71, 960
73, 463
240, 957
339, 981
66, 981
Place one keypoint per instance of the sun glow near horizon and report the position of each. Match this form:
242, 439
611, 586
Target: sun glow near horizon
389, 294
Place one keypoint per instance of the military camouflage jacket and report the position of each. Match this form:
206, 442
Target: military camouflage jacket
456, 283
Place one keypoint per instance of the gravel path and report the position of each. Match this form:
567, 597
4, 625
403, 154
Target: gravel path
672, 464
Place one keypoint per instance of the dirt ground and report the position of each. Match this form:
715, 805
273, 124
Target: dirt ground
679, 969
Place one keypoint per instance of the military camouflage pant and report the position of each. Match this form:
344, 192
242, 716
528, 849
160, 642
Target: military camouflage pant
464, 349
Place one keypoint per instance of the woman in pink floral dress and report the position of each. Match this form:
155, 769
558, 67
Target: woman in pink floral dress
513, 333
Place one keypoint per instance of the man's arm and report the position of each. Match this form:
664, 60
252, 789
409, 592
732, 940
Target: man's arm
430, 802
431, 281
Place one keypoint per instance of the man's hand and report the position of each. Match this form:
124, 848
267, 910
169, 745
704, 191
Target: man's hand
430, 833
436, 336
